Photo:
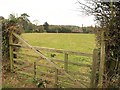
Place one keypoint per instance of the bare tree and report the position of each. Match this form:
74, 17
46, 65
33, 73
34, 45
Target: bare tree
107, 15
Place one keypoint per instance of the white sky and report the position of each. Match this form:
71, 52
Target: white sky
56, 12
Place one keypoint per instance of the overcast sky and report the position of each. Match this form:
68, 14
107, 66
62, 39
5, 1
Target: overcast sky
56, 12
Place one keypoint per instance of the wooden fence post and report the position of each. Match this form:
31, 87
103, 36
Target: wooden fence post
1, 34
56, 78
11, 50
66, 62
1, 39
1, 55
102, 62
34, 70
94, 68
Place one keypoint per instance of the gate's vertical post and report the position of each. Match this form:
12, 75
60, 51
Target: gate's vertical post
11, 50
56, 78
66, 62
94, 68
102, 62
1, 55
34, 70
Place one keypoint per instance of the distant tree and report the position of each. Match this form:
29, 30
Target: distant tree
85, 30
36, 22
46, 26
40, 28
25, 17
36, 27
62, 28
53, 29
24, 21
1, 18
30, 28
90, 29
13, 19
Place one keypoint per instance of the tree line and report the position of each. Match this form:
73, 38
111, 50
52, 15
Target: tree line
29, 27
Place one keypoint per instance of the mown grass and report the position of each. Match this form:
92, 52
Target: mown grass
76, 42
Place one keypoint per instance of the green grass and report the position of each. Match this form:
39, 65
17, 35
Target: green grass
76, 42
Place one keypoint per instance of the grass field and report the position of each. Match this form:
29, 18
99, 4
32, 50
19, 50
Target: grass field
76, 42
